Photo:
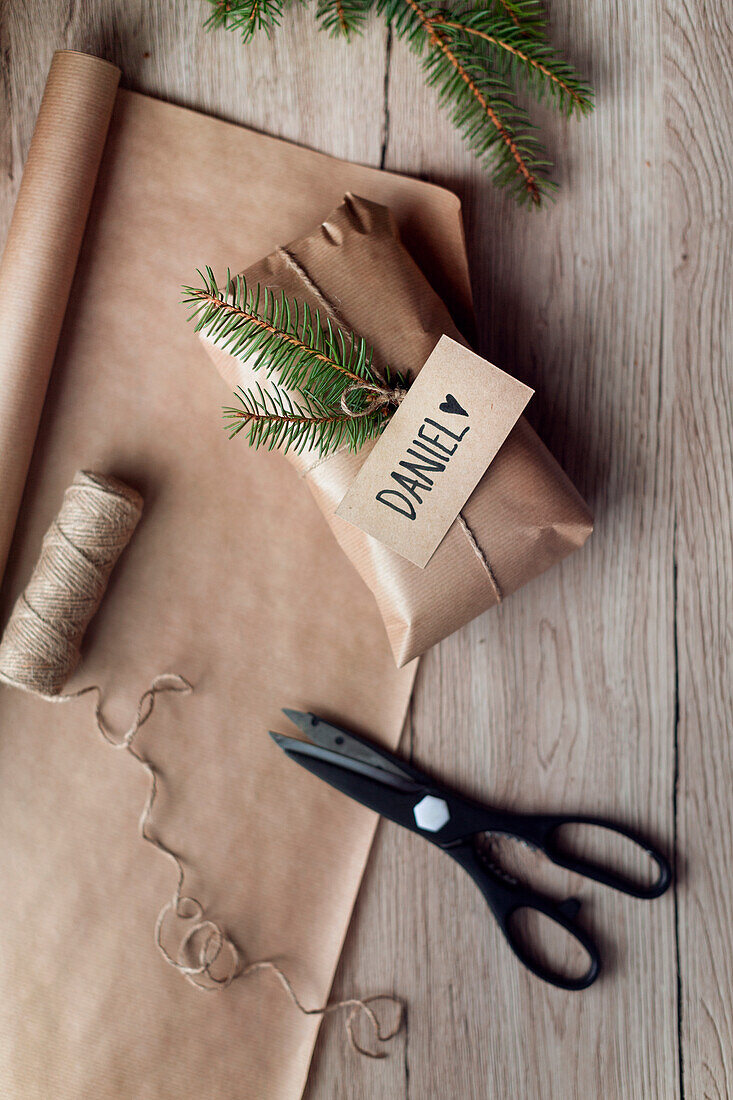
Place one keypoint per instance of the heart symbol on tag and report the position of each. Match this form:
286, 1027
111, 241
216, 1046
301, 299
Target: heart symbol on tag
450, 405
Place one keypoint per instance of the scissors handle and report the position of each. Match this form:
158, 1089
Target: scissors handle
543, 832
506, 899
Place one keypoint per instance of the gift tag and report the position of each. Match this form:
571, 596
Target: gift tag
434, 451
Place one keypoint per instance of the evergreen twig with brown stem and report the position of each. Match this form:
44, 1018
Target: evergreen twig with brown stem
474, 56
322, 389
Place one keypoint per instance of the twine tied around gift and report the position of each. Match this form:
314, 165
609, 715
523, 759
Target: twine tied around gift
40, 649
379, 396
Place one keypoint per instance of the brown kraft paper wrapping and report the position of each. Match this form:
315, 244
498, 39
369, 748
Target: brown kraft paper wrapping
232, 579
524, 515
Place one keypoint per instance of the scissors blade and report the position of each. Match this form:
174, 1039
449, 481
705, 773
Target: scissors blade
311, 756
348, 745
394, 797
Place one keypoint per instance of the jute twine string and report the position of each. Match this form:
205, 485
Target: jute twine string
381, 395
329, 307
473, 543
38, 652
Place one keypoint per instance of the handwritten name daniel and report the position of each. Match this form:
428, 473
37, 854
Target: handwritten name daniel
433, 452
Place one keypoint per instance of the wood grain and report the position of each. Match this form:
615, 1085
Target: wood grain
606, 684
698, 329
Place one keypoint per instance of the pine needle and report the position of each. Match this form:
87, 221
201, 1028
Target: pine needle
342, 18
526, 14
246, 16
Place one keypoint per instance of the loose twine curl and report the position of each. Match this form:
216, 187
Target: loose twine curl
41, 648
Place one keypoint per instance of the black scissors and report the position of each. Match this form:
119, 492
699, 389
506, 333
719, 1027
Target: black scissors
400, 792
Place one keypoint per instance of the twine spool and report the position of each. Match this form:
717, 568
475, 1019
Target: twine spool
41, 645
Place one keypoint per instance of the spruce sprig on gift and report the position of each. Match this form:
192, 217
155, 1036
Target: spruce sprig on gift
341, 398
474, 56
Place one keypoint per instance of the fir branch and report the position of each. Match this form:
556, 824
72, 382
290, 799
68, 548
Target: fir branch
470, 55
276, 420
246, 16
342, 399
342, 18
508, 8
497, 130
545, 72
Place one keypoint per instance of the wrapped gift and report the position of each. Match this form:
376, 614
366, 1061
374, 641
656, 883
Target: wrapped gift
524, 514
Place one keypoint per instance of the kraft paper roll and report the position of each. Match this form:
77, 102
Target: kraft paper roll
41, 253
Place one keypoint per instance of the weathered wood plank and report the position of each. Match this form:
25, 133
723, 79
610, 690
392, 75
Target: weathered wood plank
699, 332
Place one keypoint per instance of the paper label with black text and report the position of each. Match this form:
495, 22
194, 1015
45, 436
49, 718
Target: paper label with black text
434, 451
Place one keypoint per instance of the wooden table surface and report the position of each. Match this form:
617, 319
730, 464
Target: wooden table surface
605, 685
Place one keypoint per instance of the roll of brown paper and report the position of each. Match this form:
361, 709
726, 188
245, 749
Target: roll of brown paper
41, 253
